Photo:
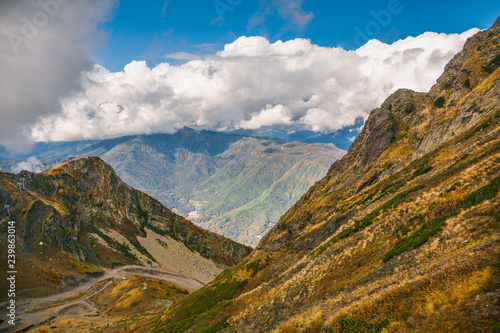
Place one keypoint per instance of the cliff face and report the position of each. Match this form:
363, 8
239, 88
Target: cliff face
401, 235
79, 216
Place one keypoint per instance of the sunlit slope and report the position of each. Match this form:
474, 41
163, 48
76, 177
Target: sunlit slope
402, 235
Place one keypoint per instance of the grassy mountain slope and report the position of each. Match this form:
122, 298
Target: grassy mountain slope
402, 235
78, 217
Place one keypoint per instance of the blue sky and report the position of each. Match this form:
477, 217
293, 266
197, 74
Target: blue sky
148, 31
94, 69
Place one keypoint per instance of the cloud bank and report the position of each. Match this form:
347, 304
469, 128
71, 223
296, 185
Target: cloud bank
32, 164
44, 46
251, 83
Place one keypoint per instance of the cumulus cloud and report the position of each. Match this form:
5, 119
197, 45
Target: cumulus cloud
32, 164
271, 116
251, 83
318, 119
44, 48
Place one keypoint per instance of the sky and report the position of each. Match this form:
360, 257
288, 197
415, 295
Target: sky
92, 69
167, 27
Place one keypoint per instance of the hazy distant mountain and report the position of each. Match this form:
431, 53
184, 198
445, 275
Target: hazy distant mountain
341, 139
256, 182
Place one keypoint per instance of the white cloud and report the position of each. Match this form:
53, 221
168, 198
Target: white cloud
319, 120
32, 164
277, 115
289, 82
44, 47
293, 13
164, 9
181, 56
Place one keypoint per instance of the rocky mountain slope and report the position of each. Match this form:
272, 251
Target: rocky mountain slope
229, 184
402, 235
78, 217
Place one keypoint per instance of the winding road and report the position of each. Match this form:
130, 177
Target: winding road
81, 305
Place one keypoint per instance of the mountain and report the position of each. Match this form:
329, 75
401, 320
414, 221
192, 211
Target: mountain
227, 183
401, 235
342, 138
257, 181
78, 218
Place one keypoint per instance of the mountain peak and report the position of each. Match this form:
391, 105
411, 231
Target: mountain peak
83, 162
497, 22
186, 129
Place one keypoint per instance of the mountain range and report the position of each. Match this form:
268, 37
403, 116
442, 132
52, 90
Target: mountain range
402, 234
235, 185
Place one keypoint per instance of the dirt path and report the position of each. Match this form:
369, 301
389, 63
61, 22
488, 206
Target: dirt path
54, 306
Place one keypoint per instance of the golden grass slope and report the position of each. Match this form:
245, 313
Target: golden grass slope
402, 235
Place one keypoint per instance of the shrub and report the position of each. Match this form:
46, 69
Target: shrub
213, 328
453, 187
391, 118
432, 227
492, 65
355, 324
439, 102
421, 171
52, 276
400, 134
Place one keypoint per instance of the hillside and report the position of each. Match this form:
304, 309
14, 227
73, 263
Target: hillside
402, 235
195, 173
78, 218
256, 183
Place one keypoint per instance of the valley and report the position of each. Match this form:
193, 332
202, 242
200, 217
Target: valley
89, 245
234, 185
401, 233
